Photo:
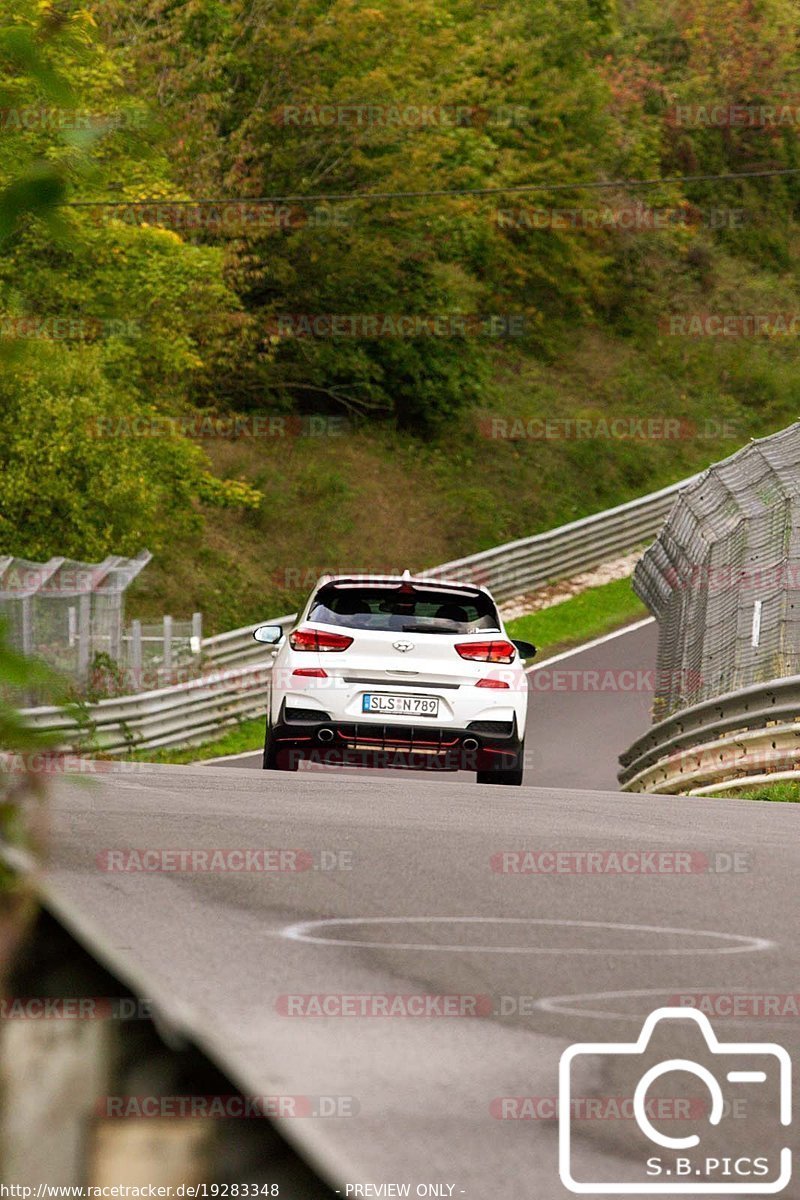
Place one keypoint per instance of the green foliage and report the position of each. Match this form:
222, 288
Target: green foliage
23, 751
553, 91
532, 102
102, 326
69, 486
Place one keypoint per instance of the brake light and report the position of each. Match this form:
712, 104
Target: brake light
492, 683
319, 640
502, 652
311, 672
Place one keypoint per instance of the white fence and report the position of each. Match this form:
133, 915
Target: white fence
65, 611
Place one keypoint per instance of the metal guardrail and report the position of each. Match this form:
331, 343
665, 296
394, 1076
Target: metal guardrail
237, 645
236, 683
739, 739
183, 714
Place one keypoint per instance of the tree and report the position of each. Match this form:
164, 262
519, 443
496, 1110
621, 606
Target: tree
97, 319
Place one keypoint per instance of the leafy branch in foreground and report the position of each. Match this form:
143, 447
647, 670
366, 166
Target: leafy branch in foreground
25, 751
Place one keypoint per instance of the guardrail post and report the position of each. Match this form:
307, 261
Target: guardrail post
197, 633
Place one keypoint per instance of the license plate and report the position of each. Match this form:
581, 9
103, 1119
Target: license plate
405, 706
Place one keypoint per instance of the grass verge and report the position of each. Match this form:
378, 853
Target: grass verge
784, 792
590, 614
247, 735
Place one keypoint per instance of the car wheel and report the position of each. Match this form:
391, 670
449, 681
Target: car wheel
511, 776
277, 758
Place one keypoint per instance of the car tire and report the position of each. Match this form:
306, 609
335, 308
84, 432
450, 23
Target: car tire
510, 776
278, 759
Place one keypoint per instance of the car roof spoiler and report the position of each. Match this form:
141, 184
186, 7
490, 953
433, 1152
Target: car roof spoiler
431, 584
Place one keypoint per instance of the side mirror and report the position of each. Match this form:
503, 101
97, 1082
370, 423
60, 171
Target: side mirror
526, 649
270, 635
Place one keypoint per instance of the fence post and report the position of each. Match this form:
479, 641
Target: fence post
136, 653
167, 643
84, 634
27, 626
115, 630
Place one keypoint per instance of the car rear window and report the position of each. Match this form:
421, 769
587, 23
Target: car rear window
404, 609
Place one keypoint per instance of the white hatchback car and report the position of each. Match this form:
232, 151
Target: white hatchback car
398, 671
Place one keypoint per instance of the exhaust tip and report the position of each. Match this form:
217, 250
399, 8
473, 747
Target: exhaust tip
470, 743
325, 735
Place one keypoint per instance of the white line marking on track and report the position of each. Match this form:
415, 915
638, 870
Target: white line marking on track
607, 637
301, 931
228, 757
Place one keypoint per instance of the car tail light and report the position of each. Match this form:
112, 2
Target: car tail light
319, 640
311, 672
502, 652
492, 683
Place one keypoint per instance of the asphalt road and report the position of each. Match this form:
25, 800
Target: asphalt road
585, 708
432, 907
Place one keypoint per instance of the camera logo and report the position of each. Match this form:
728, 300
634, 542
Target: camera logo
760, 1073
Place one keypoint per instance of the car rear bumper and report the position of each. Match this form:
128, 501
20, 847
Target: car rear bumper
480, 746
